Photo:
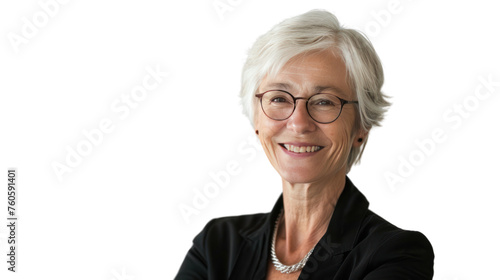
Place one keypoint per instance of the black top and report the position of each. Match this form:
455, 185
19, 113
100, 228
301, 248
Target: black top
358, 244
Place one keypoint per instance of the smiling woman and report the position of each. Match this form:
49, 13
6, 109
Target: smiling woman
331, 139
312, 91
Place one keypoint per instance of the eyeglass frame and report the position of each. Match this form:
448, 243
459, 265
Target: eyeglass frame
342, 103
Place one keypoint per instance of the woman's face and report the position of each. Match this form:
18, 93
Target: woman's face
304, 76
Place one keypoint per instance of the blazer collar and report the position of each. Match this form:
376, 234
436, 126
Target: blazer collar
342, 230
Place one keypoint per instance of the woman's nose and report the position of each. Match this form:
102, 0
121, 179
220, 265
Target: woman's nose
300, 121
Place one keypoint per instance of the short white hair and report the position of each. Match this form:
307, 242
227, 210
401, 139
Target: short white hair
319, 30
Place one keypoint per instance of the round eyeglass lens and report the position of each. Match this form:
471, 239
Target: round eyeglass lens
324, 108
277, 105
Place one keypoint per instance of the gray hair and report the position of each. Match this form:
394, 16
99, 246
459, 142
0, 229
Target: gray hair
319, 30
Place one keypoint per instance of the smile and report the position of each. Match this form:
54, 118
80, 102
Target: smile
301, 149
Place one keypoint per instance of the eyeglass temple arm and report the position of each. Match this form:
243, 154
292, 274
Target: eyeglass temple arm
349, 102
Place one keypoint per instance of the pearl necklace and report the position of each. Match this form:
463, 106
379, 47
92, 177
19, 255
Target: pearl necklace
279, 266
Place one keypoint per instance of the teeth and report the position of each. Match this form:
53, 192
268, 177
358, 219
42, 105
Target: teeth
302, 149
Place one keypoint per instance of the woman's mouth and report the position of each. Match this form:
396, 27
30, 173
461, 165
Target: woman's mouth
301, 149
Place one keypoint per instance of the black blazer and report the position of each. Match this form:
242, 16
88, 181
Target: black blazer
358, 244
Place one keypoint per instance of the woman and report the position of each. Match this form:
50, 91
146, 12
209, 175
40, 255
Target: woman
312, 90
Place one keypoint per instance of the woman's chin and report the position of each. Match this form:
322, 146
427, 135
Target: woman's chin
301, 177
302, 174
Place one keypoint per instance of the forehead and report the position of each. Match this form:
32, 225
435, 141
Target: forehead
310, 73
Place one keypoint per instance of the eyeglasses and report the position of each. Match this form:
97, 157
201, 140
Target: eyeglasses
323, 108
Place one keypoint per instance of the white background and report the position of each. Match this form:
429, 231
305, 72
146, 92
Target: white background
117, 215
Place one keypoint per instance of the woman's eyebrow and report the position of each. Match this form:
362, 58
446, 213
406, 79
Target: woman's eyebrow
329, 88
288, 87
283, 86
336, 90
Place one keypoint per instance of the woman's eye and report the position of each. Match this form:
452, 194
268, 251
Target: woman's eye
324, 102
278, 100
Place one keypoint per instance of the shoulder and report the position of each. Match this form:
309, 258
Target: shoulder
244, 224
215, 249
377, 228
390, 250
223, 230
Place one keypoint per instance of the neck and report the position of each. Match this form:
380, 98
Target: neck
308, 210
